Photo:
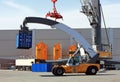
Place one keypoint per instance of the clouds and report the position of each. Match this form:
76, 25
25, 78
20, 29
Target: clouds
76, 19
19, 7
112, 15
13, 13
109, 2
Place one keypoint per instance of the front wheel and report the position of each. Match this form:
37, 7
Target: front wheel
91, 71
59, 71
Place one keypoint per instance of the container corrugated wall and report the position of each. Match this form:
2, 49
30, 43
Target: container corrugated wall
42, 67
57, 51
41, 51
24, 40
72, 49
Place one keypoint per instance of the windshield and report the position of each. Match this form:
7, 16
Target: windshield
74, 60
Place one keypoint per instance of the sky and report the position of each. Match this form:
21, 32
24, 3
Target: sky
13, 12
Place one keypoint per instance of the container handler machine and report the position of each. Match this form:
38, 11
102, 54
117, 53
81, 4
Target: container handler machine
79, 63
75, 63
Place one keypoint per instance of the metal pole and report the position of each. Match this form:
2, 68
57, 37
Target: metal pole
96, 27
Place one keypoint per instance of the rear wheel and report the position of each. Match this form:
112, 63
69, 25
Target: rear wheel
59, 71
92, 70
53, 71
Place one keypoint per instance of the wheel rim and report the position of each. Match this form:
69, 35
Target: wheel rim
93, 70
59, 71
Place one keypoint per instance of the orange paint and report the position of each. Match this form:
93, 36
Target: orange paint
57, 51
41, 51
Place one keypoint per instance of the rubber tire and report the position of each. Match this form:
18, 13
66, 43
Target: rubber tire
54, 71
59, 71
92, 70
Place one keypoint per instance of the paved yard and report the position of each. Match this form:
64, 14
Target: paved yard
27, 76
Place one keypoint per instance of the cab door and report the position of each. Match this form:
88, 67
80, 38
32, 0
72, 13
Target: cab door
74, 63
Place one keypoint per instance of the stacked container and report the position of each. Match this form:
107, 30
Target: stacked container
24, 40
41, 51
57, 51
72, 49
42, 67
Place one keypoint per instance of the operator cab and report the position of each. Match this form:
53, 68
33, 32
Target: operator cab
79, 56
74, 60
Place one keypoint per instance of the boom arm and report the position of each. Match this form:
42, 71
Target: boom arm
77, 36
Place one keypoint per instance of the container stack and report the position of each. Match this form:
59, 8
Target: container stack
57, 51
41, 51
72, 49
24, 40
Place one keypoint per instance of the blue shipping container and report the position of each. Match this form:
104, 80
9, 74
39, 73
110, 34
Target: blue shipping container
17, 41
24, 40
42, 67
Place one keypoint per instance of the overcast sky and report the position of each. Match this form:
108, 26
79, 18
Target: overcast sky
13, 12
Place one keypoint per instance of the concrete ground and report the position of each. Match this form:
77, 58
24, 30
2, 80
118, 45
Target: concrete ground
27, 76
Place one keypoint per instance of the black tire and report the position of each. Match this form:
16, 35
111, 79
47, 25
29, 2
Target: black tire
59, 71
54, 71
92, 70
